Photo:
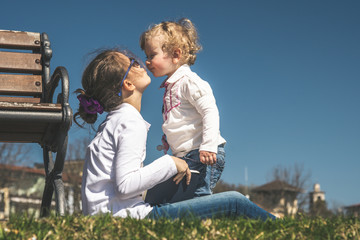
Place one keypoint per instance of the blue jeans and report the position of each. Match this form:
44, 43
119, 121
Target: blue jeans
225, 204
209, 175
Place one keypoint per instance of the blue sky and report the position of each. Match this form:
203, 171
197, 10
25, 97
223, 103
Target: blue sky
286, 76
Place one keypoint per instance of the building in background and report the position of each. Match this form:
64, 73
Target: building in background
21, 188
277, 197
316, 195
317, 203
352, 210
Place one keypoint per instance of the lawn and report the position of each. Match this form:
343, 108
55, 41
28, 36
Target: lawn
107, 227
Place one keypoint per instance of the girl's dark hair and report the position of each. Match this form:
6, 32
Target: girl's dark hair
101, 81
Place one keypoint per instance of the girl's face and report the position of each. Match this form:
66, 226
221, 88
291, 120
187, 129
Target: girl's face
137, 75
157, 61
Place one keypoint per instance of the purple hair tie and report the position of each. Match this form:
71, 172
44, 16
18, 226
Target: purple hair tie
90, 105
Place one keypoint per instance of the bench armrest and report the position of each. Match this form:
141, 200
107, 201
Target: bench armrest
59, 73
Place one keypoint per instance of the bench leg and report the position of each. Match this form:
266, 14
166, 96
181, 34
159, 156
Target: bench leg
49, 188
58, 182
54, 180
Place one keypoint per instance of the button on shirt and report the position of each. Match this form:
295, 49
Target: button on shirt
113, 176
191, 117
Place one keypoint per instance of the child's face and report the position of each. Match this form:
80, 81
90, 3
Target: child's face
158, 62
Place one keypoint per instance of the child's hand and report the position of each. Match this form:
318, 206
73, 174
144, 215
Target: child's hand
208, 158
165, 146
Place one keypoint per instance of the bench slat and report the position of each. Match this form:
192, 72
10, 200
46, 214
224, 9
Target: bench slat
52, 107
20, 62
23, 85
20, 99
19, 40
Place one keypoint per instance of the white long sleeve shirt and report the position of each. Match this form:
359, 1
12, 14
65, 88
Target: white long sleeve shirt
191, 117
113, 177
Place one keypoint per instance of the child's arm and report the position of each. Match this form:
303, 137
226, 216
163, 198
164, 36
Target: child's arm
201, 97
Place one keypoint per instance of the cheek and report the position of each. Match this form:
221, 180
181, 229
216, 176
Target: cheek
145, 81
146, 76
158, 63
148, 80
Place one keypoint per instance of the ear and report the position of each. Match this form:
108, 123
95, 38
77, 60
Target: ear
129, 86
177, 55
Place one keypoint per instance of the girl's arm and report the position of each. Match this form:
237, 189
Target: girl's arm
130, 178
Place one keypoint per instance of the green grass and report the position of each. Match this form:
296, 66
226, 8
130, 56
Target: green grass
107, 227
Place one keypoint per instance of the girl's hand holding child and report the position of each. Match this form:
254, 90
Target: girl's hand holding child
183, 170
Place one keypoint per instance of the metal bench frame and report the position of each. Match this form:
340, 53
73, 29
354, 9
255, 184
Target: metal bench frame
27, 111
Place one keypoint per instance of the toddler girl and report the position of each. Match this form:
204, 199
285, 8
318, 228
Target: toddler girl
191, 117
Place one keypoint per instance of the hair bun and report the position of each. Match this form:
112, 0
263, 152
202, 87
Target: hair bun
185, 22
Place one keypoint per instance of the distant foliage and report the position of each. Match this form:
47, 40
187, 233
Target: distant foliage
222, 186
14, 153
320, 209
77, 149
73, 170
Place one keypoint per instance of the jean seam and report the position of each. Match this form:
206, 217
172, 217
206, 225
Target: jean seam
193, 160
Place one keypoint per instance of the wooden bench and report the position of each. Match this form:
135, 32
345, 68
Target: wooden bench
27, 110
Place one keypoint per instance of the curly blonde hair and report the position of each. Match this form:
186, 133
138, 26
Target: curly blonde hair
181, 34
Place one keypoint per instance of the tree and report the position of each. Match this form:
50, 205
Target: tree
14, 153
77, 149
222, 186
319, 208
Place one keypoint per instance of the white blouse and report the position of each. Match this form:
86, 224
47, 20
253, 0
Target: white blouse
113, 177
191, 117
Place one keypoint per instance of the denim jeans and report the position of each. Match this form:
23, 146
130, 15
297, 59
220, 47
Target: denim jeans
209, 175
225, 204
